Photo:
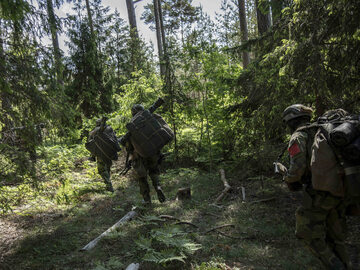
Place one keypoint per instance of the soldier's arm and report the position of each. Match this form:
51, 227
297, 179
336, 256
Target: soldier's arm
297, 152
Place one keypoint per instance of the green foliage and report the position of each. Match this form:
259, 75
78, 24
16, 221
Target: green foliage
113, 264
165, 245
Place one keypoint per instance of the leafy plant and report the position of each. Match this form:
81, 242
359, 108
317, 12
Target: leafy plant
166, 245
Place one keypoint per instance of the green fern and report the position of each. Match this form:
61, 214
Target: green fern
164, 256
166, 245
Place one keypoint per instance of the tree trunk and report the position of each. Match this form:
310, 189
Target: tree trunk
4, 99
169, 76
159, 38
132, 19
162, 30
243, 30
55, 41
91, 24
263, 16
276, 7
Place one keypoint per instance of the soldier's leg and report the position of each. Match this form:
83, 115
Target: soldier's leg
154, 173
144, 189
140, 170
311, 229
104, 171
336, 234
156, 183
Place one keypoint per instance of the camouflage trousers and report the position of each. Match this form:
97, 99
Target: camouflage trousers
321, 225
144, 167
104, 171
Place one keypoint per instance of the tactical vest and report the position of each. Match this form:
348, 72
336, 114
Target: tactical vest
149, 133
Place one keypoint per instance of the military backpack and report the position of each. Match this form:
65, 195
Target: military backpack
103, 144
149, 133
335, 157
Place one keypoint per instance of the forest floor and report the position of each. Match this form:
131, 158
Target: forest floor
258, 232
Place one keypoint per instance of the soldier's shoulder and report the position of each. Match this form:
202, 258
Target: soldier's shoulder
299, 135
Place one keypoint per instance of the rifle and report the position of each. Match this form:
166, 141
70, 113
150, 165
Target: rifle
276, 163
127, 165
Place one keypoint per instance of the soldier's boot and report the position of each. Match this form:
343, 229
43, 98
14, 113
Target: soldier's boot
106, 178
328, 258
159, 192
109, 187
146, 199
144, 190
342, 253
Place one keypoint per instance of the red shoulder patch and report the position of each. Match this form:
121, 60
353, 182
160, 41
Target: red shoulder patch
294, 150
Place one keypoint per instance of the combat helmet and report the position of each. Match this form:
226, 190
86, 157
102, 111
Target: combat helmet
98, 122
136, 108
295, 111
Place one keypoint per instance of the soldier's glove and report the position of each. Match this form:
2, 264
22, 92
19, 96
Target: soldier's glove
280, 168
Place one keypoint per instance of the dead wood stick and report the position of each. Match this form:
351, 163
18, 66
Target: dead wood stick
264, 200
169, 217
187, 223
243, 194
133, 266
130, 215
226, 235
219, 227
227, 187
179, 222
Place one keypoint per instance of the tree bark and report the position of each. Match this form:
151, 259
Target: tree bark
263, 16
159, 38
91, 24
132, 19
4, 95
168, 76
276, 7
244, 31
55, 41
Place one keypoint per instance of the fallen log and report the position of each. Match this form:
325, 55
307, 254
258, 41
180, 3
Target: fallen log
130, 215
133, 266
227, 187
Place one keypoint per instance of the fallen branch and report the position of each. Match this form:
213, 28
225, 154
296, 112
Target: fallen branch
220, 227
227, 187
187, 223
243, 194
226, 235
179, 222
130, 215
169, 217
264, 200
133, 266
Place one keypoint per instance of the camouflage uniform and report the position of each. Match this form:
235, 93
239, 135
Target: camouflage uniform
144, 167
320, 221
104, 166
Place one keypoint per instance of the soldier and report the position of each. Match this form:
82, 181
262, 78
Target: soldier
145, 166
320, 221
103, 164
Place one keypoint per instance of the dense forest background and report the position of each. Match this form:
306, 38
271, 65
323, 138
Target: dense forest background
225, 81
